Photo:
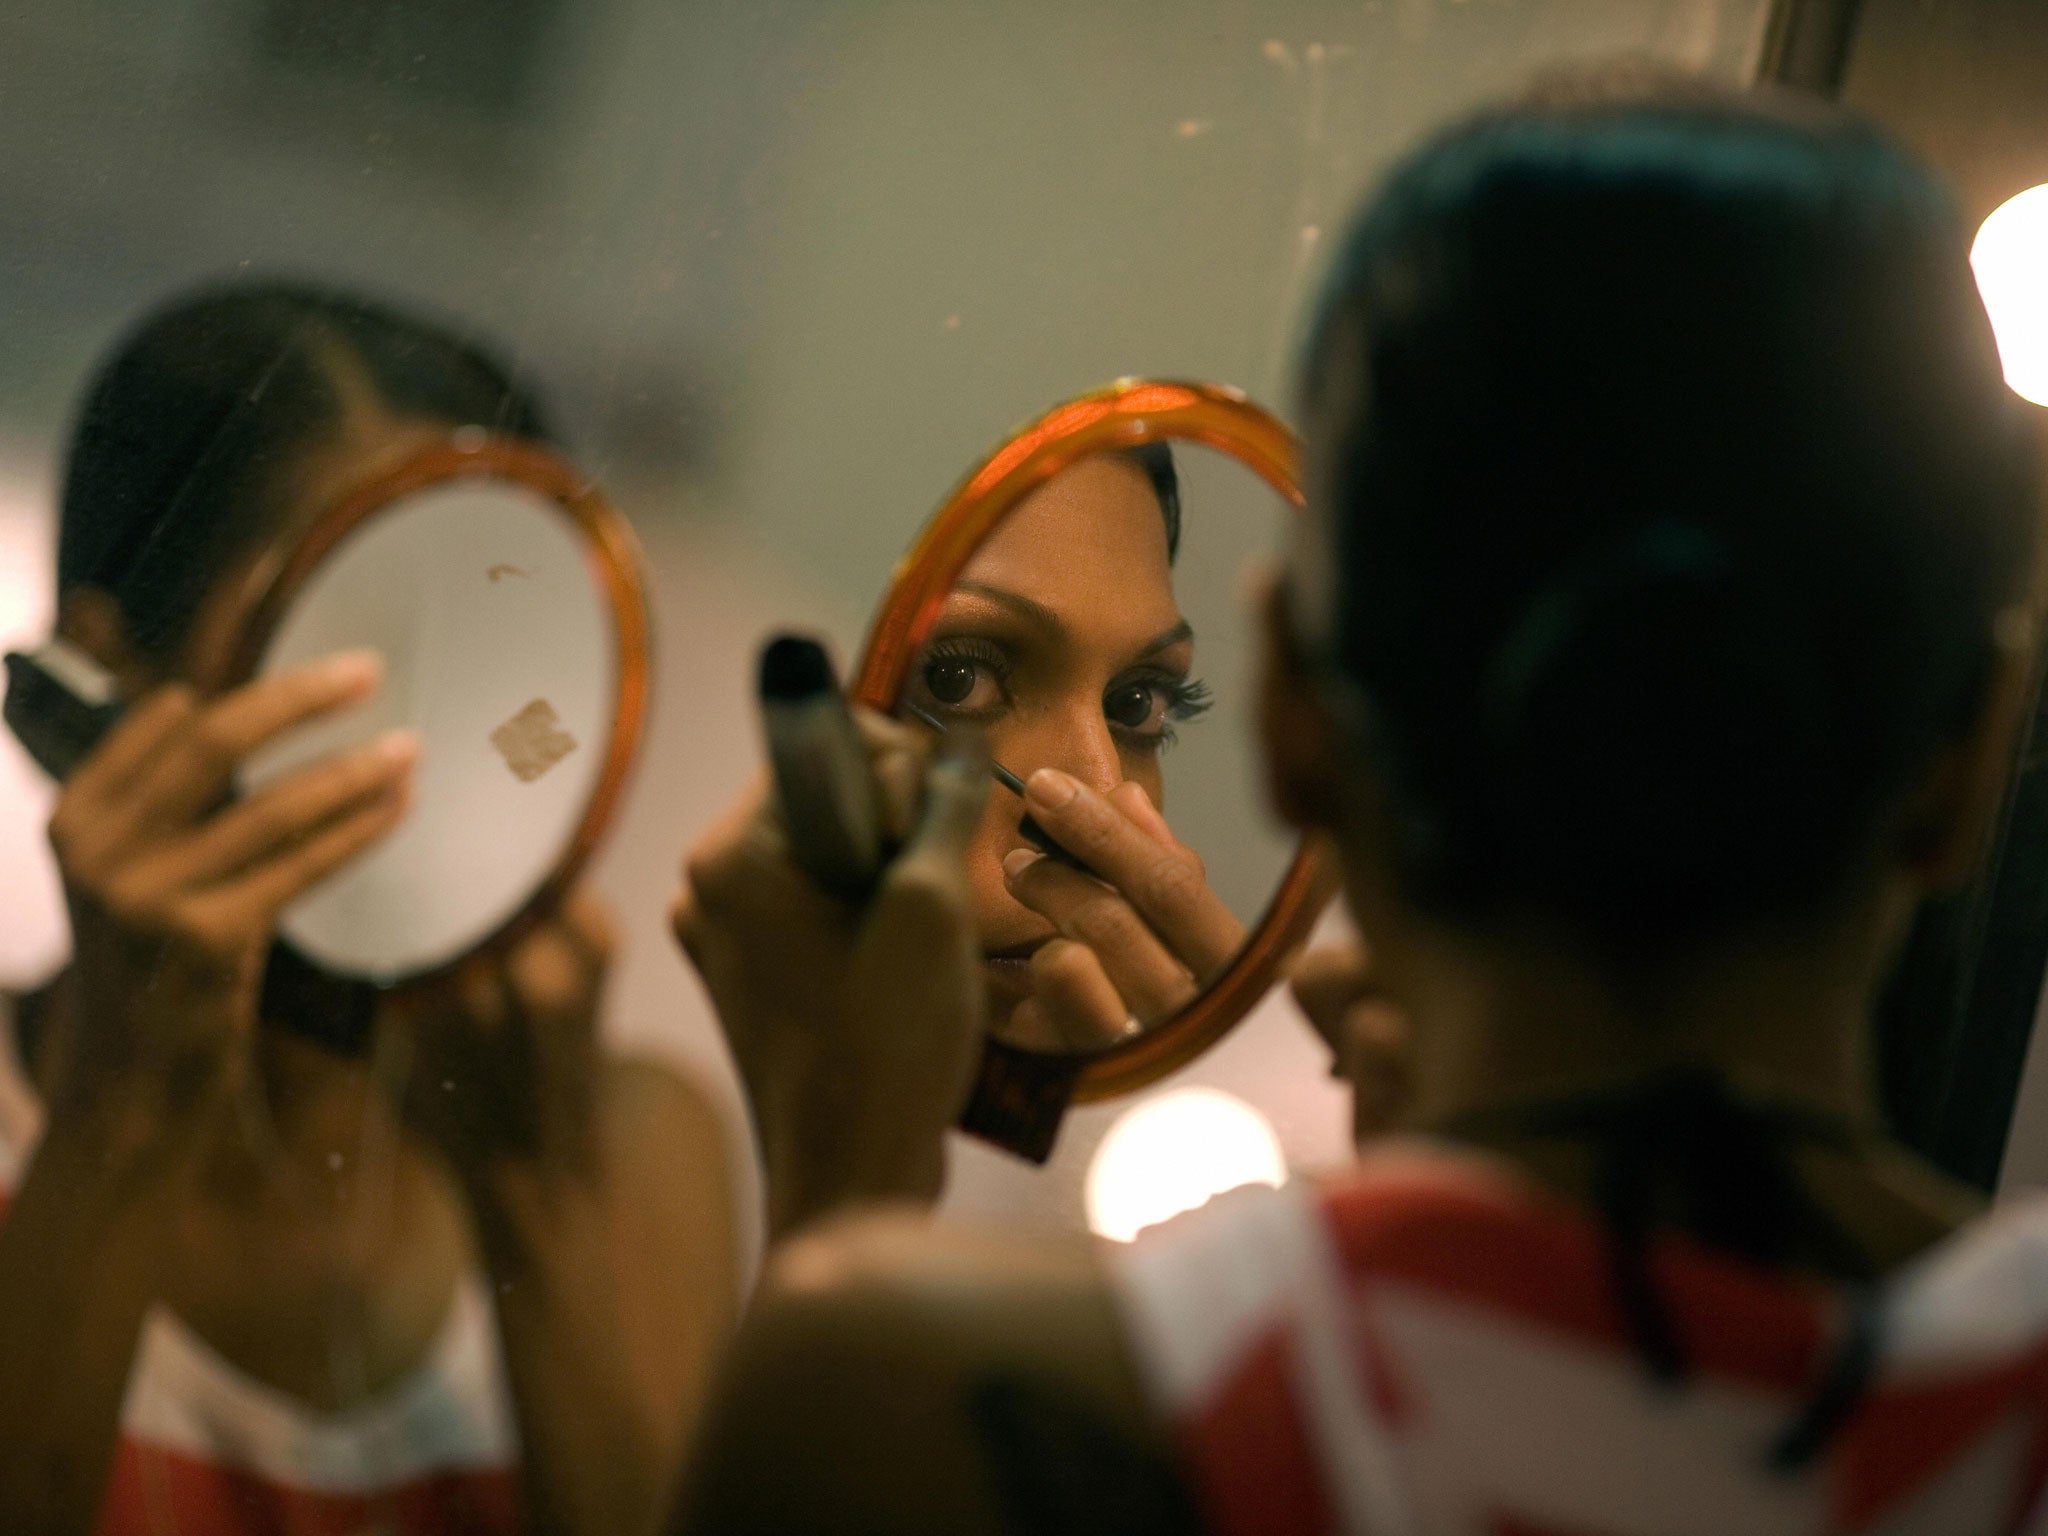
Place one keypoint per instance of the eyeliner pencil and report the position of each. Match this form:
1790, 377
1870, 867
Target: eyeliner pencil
1029, 828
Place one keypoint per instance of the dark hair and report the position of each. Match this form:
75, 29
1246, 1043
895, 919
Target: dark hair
1156, 459
184, 433
1675, 509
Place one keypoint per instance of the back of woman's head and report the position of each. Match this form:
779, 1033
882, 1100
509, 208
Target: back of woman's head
1674, 499
191, 426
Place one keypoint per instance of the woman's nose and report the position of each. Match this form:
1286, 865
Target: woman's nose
1083, 747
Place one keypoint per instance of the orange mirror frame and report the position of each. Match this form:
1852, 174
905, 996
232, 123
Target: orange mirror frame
613, 556
1020, 1096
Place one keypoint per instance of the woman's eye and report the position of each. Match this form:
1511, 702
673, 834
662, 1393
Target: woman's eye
1147, 707
950, 682
961, 683
1135, 706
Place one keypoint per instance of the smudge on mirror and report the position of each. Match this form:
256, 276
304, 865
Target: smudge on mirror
533, 741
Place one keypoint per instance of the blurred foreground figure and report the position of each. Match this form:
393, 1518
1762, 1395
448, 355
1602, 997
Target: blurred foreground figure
1651, 649
468, 1281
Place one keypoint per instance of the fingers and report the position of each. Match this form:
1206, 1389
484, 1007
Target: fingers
881, 734
586, 921
196, 764
896, 754
956, 790
1163, 880
740, 874
1147, 977
1130, 798
1330, 977
1378, 1061
97, 813
899, 781
485, 993
1074, 998
285, 813
550, 977
262, 893
921, 912
1368, 1036
134, 741
557, 971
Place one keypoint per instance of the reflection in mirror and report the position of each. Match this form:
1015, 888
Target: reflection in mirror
500, 652
364, 661
1096, 633
746, 244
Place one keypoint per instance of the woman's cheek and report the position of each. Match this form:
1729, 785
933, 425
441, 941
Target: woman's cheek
1149, 774
987, 892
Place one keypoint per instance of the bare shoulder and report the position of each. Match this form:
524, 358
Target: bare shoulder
670, 1192
916, 1376
655, 1106
904, 1255
958, 1301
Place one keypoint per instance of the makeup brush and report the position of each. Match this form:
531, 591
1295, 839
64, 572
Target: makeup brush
1028, 828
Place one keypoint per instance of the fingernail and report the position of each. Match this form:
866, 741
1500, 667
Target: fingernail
1017, 860
397, 747
354, 669
1050, 789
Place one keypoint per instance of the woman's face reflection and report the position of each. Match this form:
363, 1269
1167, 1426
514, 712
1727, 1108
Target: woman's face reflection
1063, 643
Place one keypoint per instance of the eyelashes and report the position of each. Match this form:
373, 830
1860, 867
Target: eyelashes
968, 648
1188, 698
1143, 707
969, 677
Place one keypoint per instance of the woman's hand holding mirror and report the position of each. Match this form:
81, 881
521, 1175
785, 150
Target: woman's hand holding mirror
175, 891
1137, 941
855, 1030
1368, 1036
506, 1061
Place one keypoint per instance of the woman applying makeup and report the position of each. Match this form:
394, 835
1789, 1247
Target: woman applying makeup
1654, 644
1063, 645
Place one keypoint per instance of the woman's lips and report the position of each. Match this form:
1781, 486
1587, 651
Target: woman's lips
1008, 970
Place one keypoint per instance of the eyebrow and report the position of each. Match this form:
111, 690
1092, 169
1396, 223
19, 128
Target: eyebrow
1017, 602
1042, 616
1166, 639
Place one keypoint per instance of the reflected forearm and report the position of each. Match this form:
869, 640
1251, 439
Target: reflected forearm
898, 1376
80, 1253
817, 1171
615, 1286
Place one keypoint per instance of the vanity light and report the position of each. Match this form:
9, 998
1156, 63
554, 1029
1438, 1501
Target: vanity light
2011, 260
1171, 1153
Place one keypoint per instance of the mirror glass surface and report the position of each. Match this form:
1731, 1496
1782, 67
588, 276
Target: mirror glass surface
777, 271
1102, 629
500, 651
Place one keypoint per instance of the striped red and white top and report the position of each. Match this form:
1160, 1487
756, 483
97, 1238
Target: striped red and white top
1429, 1346
206, 1450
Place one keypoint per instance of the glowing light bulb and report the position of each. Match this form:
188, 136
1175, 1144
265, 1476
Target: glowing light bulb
2010, 257
1173, 1152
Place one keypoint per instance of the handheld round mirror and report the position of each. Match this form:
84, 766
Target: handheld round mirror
504, 595
1078, 600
